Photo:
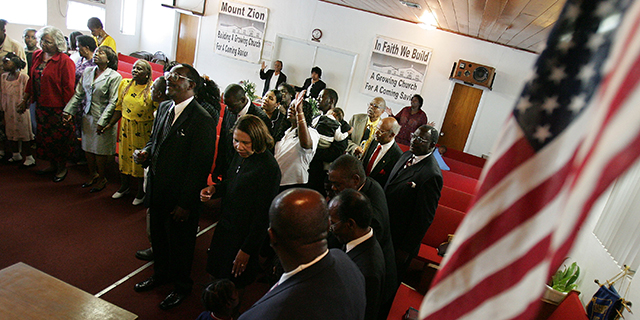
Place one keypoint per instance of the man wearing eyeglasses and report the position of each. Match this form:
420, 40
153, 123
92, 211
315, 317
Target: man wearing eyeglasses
413, 191
384, 152
364, 127
179, 156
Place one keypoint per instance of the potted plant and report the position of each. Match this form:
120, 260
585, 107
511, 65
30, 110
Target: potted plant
563, 281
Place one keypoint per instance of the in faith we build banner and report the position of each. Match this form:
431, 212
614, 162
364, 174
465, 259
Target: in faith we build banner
241, 31
396, 70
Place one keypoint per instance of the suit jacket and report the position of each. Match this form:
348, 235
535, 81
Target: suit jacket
382, 232
315, 90
266, 76
359, 124
100, 93
180, 163
332, 288
243, 223
383, 168
225, 144
412, 196
369, 259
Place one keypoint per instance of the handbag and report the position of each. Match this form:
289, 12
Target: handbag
606, 303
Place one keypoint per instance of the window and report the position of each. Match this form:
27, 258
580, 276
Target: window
15, 13
617, 228
128, 18
78, 13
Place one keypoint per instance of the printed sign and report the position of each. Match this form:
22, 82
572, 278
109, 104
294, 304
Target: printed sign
396, 70
241, 31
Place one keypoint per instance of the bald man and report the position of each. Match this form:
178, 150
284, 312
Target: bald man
384, 152
364, 127
318, 283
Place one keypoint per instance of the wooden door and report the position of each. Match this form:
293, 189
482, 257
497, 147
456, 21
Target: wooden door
187, 38
459, 118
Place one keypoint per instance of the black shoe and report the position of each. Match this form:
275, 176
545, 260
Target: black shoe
59, 179
148, 284
146, 254
173, 299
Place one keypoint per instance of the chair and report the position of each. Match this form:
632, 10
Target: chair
459, 182
445, 222
463, 168
464, 157
405, 297
455, 199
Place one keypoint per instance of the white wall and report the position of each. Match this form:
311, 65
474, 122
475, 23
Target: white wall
158, 27
354, 31
56, 12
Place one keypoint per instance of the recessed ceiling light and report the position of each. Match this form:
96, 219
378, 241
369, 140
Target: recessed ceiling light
410, 4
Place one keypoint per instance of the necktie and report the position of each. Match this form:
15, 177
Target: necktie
410, 162
373, 159
167, 125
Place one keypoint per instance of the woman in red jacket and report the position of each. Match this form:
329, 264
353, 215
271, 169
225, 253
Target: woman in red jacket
51, 86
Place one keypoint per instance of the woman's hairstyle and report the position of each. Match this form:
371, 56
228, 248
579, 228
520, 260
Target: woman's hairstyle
19, 63
209, 93
419, 97
112, 56
87, 41
56, 34
72, 39
317, 71
289, 89
261, 140
278, 95
218, 296
147, 89
94, 23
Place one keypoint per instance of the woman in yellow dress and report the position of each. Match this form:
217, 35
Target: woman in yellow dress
136, 107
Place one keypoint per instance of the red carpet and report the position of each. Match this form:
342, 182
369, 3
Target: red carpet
88, 239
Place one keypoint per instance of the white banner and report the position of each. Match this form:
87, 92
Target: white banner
241, 31
396, 70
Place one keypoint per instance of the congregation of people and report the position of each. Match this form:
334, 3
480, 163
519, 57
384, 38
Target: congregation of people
333, 211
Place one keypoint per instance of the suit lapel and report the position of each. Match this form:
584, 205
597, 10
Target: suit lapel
398, 167
177, 124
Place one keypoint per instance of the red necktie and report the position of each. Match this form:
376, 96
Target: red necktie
373, 159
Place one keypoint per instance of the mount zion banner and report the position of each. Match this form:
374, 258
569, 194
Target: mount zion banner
396, 70
240, 32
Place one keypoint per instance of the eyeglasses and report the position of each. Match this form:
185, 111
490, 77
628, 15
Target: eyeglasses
332, 227
373, 105
418, 138
172, 76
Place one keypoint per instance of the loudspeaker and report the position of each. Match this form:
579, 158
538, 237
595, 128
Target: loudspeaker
473, 73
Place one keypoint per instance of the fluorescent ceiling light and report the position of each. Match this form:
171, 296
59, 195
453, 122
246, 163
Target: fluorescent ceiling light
410, 4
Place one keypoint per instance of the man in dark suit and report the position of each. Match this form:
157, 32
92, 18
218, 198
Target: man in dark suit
347, 172
384, 152
350, 214
276, 73
328, 149
238, 105
318, 283
179, 156
413, 191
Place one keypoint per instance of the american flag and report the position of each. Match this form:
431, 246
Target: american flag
574, 130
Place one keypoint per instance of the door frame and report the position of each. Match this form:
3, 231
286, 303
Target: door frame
475, 117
